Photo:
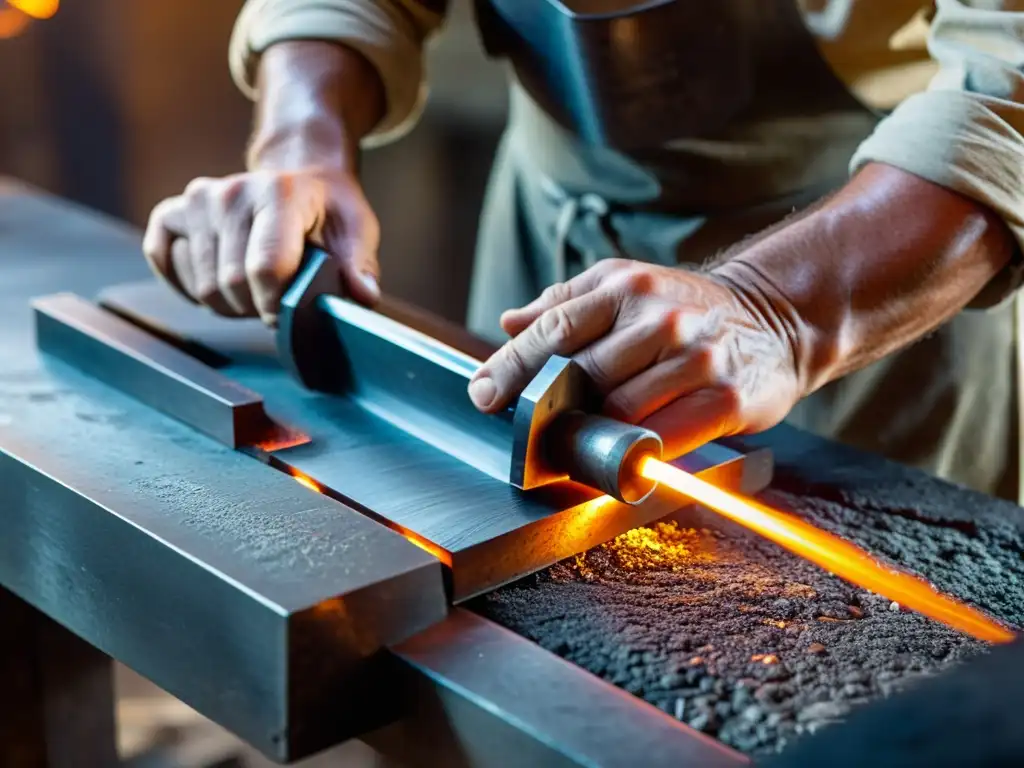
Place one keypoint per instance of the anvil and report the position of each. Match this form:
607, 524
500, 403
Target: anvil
149, 461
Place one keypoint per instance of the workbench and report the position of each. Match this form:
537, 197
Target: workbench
129, 536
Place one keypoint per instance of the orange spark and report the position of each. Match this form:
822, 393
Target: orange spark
830, 552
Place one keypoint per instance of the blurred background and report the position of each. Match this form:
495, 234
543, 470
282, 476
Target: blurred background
117, 104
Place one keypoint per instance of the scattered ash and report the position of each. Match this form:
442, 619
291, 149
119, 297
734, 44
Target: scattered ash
755, 646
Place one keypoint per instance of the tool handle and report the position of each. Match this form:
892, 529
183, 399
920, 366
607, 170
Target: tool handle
305, 344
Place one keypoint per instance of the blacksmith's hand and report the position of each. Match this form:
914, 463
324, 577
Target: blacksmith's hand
235, 243
693, 356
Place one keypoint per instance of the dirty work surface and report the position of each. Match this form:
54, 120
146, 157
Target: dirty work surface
753, 645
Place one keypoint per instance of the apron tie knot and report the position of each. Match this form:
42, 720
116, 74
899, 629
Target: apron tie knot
587, 209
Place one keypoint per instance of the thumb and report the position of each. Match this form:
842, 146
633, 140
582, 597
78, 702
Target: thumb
353, 236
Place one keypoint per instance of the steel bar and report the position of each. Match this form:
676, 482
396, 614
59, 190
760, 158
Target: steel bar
490, 532
482, 696
150, 370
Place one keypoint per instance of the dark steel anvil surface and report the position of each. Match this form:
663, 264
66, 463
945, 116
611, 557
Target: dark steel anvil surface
200, 568
278, 612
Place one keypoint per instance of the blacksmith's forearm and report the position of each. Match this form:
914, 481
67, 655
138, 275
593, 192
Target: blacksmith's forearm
886, 260
316, 99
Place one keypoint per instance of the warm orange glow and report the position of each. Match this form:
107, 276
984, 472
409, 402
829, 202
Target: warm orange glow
427, 546
306, 481
12, 22
443, 555
281, 439
37, 9
830, 552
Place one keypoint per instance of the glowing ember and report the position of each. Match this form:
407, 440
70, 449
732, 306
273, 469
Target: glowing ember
765, 658
830, 552
306, 481
664, 545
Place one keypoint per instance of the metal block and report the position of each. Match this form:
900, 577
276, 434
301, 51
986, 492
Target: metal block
485, 697
487, 531
258, 602
139, 364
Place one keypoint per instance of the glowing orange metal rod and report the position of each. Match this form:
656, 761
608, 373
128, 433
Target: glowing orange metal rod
830, 552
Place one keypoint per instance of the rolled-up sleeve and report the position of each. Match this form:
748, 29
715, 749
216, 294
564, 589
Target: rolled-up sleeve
391, 34
966, 131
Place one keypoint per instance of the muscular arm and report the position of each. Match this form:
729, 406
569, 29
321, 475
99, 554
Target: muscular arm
316, 100
327, 76
882, 263
698, 355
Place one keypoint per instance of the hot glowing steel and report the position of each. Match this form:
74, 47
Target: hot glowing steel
306, 481
830, 552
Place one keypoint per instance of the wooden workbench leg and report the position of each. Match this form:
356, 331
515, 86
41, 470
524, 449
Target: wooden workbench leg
56, 694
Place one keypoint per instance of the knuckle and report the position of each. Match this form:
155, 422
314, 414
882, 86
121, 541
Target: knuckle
556, 328
198, 187
703, 358
556, 293
231, 194
731, 396
639, 281
278, 188
206, 290
633, 281
232, 280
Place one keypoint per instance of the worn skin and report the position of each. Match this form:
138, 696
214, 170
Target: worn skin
697, 356
692, 355
234, 243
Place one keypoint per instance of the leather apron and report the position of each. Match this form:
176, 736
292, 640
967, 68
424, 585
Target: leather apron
556, 204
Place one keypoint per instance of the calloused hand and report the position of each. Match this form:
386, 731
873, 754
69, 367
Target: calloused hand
693, 356
233, 244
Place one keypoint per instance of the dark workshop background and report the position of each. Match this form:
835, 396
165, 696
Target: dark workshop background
119, 103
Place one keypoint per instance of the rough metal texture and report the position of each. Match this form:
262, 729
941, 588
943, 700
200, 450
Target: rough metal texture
491, 532
208, 572
690, 625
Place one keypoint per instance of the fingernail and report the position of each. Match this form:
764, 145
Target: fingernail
369, 281
482, 392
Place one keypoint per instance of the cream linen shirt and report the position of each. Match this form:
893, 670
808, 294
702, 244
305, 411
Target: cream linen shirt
948, 76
